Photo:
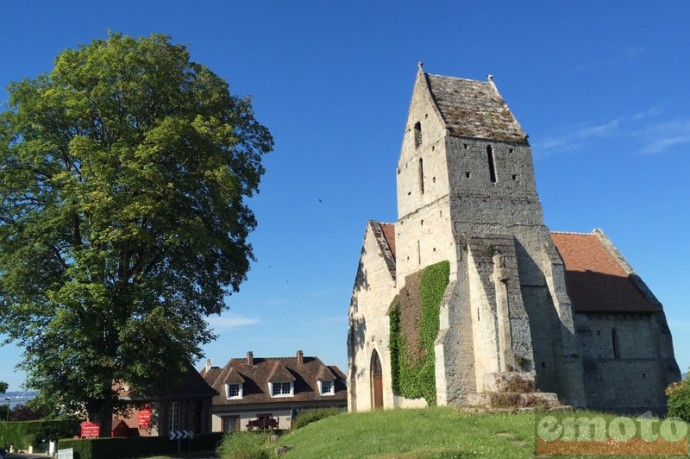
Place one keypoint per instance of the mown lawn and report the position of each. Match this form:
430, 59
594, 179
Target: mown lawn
426, 433
411, 434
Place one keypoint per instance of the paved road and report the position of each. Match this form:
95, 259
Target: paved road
26, 456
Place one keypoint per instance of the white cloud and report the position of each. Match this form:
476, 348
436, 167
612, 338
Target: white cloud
574, 139
232, 321
326, 320
277, 301
651, 138
660, 137
631, 53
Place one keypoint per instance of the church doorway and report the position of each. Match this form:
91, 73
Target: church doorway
376, 381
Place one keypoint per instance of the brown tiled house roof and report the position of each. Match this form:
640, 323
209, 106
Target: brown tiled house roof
233, 377
191, 384
598, 279
257, 372
474, 109
280, 374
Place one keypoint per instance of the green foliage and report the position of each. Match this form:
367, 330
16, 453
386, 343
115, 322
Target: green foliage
309, 416
396, 344
3, 387
129, 447
31, 433
244, 445
414, 378
123, 220
678, 402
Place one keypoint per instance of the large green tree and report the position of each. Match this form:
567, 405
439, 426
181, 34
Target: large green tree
123, 222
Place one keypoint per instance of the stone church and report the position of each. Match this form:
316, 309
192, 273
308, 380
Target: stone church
562, 311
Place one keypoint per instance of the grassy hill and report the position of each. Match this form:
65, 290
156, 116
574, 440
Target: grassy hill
438, 432
414, 434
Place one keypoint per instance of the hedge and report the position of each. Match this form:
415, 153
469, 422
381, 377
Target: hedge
316, 414
126, 447
22, 434
679, 399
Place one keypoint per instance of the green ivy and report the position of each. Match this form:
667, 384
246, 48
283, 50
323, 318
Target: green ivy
414, 380
396, 344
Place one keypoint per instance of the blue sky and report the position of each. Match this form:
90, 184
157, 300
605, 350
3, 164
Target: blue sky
602, 89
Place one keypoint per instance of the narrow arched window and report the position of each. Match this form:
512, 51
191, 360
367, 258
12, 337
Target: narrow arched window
417, 134
615, 343
492, 166
421, 175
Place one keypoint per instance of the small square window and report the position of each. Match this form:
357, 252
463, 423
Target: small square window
281, 388
327, 387
233, 390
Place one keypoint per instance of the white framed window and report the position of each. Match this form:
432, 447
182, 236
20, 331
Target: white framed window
281, 389
233, 391
174, 416
326, 388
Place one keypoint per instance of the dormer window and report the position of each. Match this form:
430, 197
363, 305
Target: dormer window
281, 389
326, 388
233, 391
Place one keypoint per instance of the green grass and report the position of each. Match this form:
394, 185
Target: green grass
437, 432
194, 455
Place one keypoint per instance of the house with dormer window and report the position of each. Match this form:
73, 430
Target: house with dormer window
268, 391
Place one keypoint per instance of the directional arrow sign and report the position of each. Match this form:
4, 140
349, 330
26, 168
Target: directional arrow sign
180, 434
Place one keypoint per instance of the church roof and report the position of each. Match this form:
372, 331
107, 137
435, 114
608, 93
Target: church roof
474, 109
389, 234
598, 278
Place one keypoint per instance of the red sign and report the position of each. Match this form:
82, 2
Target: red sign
90, 429
145, 416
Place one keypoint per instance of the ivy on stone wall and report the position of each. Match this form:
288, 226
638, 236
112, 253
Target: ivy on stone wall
413, 365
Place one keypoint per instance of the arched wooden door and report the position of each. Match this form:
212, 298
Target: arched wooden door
376, 381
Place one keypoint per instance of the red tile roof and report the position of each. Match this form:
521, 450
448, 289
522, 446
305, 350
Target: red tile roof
596, 280
389, 233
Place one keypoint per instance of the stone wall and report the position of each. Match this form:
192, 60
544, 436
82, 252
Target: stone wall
369, 325
626, 363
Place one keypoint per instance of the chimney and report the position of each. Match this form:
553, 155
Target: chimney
250, 358
300, 358
208, 364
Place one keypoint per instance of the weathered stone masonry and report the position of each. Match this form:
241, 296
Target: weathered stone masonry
563, 310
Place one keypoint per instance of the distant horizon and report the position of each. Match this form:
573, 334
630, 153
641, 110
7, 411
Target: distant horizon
17, 397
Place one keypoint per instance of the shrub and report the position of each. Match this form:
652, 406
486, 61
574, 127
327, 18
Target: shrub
244, 445
679, 399
23, 434
126, 447
309, 416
